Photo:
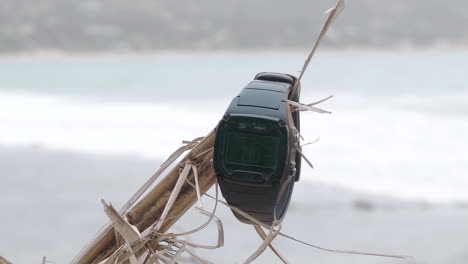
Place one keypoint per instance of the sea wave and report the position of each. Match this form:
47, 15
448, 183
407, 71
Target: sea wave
64, 123
378, 147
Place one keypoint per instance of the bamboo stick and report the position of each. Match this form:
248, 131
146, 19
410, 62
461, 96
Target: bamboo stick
4, 260
149, 209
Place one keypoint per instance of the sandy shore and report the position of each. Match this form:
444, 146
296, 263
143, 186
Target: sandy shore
50, 206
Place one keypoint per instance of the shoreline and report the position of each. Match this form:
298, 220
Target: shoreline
335, 193
60, 54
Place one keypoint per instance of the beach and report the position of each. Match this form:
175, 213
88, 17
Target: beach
54, 209
389, 169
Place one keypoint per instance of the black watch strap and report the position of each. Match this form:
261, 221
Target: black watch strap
262, 203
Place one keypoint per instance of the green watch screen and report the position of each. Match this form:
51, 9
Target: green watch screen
252, 149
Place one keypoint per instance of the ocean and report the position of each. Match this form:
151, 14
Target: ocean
390, 163
399, 124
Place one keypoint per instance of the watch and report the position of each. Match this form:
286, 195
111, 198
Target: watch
255, 153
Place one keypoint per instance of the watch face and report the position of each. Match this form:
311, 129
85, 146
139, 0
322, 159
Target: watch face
250, 149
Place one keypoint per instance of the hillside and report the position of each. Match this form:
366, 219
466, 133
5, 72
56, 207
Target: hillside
108, 25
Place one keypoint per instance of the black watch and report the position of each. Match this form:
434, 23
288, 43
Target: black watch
255, 154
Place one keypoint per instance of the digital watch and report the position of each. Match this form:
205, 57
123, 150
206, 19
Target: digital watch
255, 154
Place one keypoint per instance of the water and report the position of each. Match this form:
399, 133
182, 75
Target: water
70, 126
399, 124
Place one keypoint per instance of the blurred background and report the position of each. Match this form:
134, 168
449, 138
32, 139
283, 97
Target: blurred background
95, 94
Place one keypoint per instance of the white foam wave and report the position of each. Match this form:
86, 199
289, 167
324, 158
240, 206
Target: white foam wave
150, 130
402, 152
